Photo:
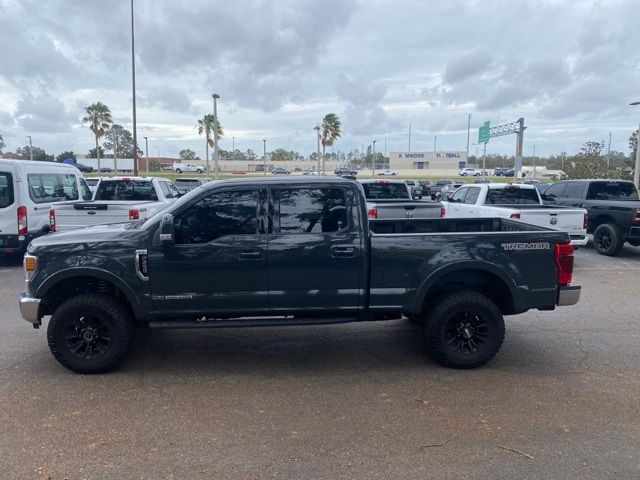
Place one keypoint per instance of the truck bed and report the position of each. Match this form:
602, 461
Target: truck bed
446, 225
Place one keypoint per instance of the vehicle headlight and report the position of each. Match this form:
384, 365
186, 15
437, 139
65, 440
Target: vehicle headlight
30, 265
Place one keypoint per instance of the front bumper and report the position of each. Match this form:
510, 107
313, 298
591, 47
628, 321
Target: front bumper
568, 295
30, 309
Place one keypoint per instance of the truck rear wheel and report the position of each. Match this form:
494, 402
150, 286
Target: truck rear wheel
178, 170
90, 333
464, 329
607, 239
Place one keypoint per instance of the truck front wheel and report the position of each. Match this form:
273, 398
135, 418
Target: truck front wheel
90, 333
463, 329
607, 239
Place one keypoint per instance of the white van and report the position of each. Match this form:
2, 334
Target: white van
27, 191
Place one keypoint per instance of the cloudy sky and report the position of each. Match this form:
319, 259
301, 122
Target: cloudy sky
569, 67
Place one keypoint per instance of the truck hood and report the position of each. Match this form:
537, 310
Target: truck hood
123, 232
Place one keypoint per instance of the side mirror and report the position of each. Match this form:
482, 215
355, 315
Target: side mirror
167, 236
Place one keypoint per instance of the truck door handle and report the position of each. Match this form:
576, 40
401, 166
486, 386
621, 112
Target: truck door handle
249, 255
343, 252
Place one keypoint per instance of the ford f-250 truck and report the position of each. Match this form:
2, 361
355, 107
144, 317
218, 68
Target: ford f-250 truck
290, 251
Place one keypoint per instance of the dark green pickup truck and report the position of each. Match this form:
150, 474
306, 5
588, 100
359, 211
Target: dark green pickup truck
290, 251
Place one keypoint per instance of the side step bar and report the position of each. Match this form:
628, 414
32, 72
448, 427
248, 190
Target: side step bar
249, 322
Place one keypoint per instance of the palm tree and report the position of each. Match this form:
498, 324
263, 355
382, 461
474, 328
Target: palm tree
330, 129
99, 119
205, 126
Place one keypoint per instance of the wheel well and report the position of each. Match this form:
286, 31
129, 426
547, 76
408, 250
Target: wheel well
70, 287
597, 221
481, 281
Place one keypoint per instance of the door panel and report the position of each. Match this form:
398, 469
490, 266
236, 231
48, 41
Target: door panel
315, 251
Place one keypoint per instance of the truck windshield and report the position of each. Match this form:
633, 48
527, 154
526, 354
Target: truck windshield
132, 190
512, 196
612, 191
385, 191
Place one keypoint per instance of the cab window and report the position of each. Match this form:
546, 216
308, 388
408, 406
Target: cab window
85, 191
458, 196
555, 191
472, 196
309, 210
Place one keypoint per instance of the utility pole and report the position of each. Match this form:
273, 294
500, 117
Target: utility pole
519, 143
215, 97
385, 146
31, 148
609, 150
636, 170
264, 157
115, 152
146, 148
435, 143
317, 129
133, 88
373, 158
233, 147
409, 138
534, 160
484, 158
468, 130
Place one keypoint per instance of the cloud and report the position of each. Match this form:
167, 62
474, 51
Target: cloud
43, 113
467, 66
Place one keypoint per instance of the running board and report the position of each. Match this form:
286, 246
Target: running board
249, 322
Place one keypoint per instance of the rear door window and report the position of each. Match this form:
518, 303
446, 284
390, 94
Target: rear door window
309, 210
512, 196
6, 189
472, 196
52, 187
555, 191
612, 191
85, 191
573, 190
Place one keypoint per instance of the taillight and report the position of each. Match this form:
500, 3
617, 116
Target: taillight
134, 214
585, 221
382, 181
635, 216
372, 213
22, 220
515, 216
563, 256
443, 212
52, 220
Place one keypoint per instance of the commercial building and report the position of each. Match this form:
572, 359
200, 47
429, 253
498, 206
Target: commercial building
443, 163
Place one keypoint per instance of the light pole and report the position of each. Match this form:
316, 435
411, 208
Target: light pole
317, 129
636, 170
133, 89
146, 149
233, 144
30, 148
215, 97
115, 152
468, 130
373, 158
264, 157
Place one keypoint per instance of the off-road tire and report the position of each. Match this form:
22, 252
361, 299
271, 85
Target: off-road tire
442, 329
110, 319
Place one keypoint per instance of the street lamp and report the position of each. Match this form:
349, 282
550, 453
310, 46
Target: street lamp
215, 97
264, 157
133, 89
636, 170
373, 159
146, 147
317, 129
30, 148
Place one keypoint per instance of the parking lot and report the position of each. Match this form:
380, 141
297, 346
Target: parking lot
561, 400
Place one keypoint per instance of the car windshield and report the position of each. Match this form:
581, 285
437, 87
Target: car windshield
187, 181
128, 190
512, 196
612, 191
385, 191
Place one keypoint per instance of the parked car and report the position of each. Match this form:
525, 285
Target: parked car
280, 171
448, 190
187, 167
83, 168
612, 205
499, 171
27, 191
106, 170
116, 199
482, 180
511, 172
469, 172
186, 184
439, 185
391, 199
212, 260
516, 201
387, 173
415, 188
344, 171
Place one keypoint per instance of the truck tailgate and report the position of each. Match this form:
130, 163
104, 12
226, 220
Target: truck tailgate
69, 216
566, 219
393, 210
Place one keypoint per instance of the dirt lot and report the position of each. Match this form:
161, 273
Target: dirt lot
561, 400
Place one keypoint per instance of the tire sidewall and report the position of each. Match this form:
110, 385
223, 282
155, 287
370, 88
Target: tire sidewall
616, 243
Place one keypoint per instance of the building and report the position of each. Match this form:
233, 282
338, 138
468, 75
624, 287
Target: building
441, 163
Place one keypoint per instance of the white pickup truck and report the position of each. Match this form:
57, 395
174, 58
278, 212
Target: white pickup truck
516, 201
115, 200
187, 167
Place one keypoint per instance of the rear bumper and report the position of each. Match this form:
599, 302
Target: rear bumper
579, 240
568, 295
10, 244
634, 233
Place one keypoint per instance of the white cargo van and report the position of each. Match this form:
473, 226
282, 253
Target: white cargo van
28, 189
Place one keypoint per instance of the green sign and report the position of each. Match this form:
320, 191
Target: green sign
483, 133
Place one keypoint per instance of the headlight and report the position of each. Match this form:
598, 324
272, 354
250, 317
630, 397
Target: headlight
30, 264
